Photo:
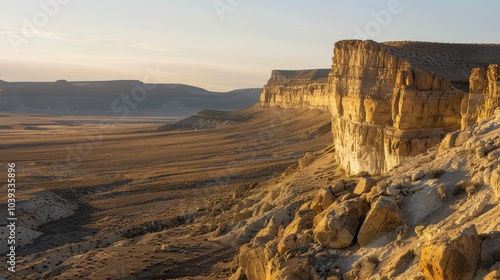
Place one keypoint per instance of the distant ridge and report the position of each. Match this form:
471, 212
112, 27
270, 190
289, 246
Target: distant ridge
90, 98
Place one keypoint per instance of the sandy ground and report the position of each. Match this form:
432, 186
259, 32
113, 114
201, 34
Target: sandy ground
149, 204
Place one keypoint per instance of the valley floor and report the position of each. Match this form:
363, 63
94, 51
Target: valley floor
123, 201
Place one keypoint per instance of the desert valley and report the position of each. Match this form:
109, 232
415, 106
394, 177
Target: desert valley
386, 166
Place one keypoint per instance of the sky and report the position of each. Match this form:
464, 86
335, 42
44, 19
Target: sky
219, 45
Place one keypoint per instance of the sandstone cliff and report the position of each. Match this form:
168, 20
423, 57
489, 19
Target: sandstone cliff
435, 217
390, 101
484, 95
297, 89
395, 100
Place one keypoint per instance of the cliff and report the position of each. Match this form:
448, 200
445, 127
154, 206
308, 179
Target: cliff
484, 95
390, 101
297, 89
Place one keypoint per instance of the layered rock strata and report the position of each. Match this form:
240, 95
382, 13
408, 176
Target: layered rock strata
395, 100
390, 101
297, 89
484, 95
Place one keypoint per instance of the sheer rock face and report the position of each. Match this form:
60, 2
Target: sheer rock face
390, 101
384, 109
297, 89
484, 95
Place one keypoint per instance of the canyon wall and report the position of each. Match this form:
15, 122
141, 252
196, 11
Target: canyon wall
384, 109
390, 101
484, 95
297, 89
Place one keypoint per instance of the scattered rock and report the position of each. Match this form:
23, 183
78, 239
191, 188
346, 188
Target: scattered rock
322, 200
295, 268
384, 216
336, 226
338, 187
451, 257
392, 190
417, 175
303, 220
364, 185
419, 230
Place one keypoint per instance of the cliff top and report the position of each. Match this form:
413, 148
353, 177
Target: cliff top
451, 61
298, 76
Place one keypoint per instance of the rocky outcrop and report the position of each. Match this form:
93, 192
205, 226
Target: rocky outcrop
484, 95
336, 227
451, 258
384, 216
297, 89
392, 101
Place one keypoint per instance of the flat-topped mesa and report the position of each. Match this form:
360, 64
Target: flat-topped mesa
484, 95
391, 101
297, 89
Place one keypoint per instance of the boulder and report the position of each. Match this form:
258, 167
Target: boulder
451, 258
297, 268
494, 275
336, 227
338, 187
255, 259
323, 199
418, 174
495, 181
293, 241
384, 216
302, 221
365, 185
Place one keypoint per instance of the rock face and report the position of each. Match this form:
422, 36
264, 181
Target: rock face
484, 95
297, 89
391, 101
336, 227
395, 100
451, 258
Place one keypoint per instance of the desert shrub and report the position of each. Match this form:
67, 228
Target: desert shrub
364, 268
466, 186
436, 173
441, 190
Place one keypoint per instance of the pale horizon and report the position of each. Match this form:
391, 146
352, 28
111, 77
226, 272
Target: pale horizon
217, 45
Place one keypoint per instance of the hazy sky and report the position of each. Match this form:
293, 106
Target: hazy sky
215, 44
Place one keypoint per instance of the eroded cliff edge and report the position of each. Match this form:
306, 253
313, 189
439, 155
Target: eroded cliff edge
297, 89
391, 101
